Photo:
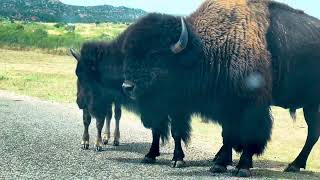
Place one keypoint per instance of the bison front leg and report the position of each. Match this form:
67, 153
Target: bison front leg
224, 157
180, 130
224, 151
312, 117
154, 149
117, 116
99, 124
253, 135
86, 123
106, 135
178, 154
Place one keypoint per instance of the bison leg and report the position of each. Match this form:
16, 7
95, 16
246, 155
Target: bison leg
312, 117
253, 133
106, 135
86, 123
180, 130
99, 124
245, 163
117, 116
225, 151
155, 148
224, 156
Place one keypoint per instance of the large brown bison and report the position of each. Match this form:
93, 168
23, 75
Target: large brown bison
229, 62
100, 78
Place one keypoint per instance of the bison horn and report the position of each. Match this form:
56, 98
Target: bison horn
75, 54
183, 41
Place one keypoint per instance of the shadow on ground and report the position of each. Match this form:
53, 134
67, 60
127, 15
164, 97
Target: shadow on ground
140, 148
136, 147
263, 169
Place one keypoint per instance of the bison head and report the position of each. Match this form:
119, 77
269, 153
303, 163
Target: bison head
157, 49
91, 92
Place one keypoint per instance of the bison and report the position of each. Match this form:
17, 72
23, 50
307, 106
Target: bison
100, 78
229, 62
84, 100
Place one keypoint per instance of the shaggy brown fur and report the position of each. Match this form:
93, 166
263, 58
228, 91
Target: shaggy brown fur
235, 30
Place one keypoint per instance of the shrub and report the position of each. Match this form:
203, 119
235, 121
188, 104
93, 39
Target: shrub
20, 27
41, 33
59, 25
70, 28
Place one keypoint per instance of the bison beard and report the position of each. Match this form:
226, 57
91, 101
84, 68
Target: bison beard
233, 68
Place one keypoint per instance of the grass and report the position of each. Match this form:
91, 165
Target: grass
46, 76
51, 38
51, 77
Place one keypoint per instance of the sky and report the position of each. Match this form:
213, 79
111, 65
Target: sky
185, 7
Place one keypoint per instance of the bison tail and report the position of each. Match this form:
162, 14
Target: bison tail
293, 114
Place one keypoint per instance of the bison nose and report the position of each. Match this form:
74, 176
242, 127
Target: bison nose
128, 87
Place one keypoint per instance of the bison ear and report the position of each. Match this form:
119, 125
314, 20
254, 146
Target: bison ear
75, 54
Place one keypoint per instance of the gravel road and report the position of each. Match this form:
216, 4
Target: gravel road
41, 139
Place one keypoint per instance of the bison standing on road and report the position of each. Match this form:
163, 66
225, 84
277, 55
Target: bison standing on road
86, 101
100, 78
229, 62
95, 99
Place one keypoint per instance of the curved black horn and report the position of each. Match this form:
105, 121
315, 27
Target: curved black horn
183, 40
75, 54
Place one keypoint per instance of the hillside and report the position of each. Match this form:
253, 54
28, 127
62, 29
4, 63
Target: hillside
55, 11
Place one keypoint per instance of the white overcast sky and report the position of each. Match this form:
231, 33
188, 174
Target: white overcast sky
184, 7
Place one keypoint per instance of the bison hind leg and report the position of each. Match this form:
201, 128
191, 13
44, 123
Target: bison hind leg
312, 117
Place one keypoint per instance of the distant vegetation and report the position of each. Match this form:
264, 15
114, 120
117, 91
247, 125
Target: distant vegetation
55, 11
54, 38
54, 27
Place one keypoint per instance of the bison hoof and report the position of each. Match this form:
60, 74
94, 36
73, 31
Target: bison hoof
177, 164
116, 143
243, 173
85, 145
218, 169
105, 141
292, 168
148, 160
98, 148
105, 138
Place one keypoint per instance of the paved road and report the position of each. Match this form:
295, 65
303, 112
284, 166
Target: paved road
41, 140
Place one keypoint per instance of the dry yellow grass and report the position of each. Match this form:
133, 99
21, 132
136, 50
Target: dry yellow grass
46, 76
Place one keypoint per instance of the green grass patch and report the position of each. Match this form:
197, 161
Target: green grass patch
52, 37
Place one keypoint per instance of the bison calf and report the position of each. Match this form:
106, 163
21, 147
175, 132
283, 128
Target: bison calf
84, 99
